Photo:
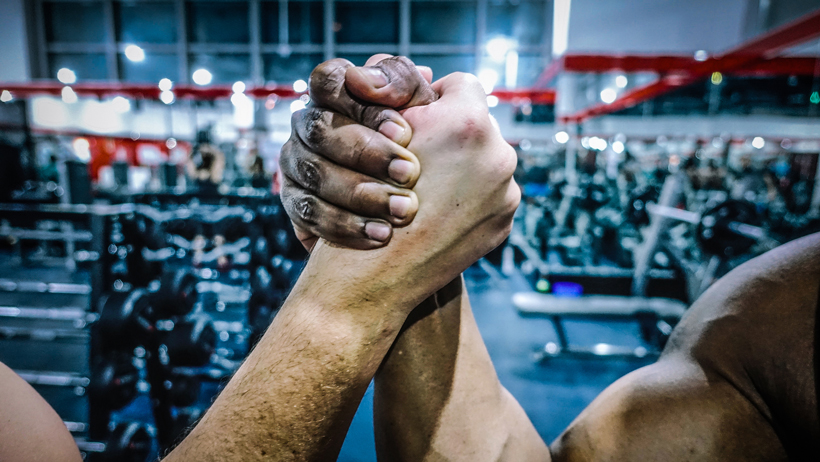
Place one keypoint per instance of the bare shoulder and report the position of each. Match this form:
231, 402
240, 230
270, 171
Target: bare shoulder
755, 328
670, 411
769, 295
31, 431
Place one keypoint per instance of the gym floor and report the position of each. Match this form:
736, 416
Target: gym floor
553, 393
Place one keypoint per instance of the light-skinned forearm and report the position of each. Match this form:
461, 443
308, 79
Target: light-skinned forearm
294, 397
438, 397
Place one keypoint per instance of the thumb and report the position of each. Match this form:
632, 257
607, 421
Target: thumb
393, 82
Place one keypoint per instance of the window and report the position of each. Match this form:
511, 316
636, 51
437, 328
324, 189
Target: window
269, 15
74, 22
524, 21
218, 22
529, 68
446, 64
152, 70
146, 22
87, 66
225, 68
357, 58
367, 22
306, 22
291, 68
443, 22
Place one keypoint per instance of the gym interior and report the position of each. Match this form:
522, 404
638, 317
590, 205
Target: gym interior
144, 248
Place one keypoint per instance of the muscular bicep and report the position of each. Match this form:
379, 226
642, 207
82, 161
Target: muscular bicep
670, 411
30, 430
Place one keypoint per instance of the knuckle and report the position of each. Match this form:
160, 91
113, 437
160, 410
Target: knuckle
360, 197
373, 116
285, 153
514, 198
468, 80
314, 125
327, 77
472, 127
362, 144
509, 161
304, 207
310, 175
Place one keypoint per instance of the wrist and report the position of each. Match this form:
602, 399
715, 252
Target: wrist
365, 285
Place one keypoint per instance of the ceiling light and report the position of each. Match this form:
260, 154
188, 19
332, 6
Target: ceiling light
135, 53
758, 142
68, 95
166, 84
492, 101
167, 97
5, 96
202, 77
121, 104
66, 76
238, 87
498, 47
609, 95
300, 86
562, 137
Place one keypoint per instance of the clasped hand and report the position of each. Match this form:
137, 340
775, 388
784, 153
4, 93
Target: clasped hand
382, 155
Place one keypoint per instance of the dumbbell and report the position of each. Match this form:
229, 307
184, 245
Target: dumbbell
260, 251
730, 229
127, 442
184, 390
184, 421
260, 316
264, 289
177, 293
191, 342
114, 381
123, 323
234, 227
187, 227
281, 241
593, 196
284, 272
636, 207
140, 231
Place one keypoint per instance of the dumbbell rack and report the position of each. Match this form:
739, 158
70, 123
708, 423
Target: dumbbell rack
46, 325
118, 269
161, 238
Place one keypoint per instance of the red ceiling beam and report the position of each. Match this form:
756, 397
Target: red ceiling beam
765, 47
146, 91
682, 64
141, 91
555, 67
546, 96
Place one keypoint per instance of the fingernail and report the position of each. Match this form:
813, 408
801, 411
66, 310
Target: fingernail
377, 231
392, 130
401, 171
375, 76
400, 206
